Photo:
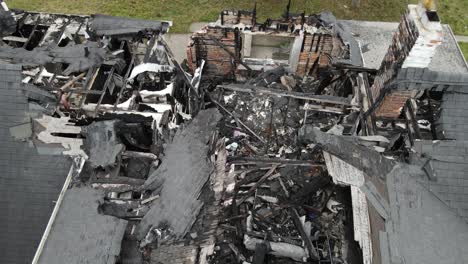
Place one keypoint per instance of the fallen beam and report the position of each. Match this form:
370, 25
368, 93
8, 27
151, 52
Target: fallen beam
125, 79
82, 91
297, 222
237, 253
258, 183
238, 120
179, 68
253, 160
355, 68
297, 95
322, 108
140, 155
120, 180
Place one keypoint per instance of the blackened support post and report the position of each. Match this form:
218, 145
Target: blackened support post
288, 8
32, 33
412, 122
431, 115
254, 15
297, 222
104, 89
238, 60
179, 69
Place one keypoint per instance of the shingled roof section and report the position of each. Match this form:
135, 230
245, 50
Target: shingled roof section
421, 228
448, 159
110, 25
29, 182
80, 234
424, 78
453, 120
448, 162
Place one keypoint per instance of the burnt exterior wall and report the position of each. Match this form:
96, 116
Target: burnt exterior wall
219, 63
316, 50
321, 43
393, 104
234, 17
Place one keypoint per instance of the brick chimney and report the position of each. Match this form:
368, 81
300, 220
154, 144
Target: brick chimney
413, 45
429, 34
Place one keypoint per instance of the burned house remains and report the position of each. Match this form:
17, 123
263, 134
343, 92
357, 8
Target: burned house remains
277, 141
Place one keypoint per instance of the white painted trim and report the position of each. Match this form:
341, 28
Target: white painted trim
4, 5
77, 161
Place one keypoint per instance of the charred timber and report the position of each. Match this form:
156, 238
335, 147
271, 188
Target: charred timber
254, 160
297, 95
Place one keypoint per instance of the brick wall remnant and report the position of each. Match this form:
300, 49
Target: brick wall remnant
393, 104
219, 63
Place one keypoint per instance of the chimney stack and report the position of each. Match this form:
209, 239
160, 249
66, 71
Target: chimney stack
429, 34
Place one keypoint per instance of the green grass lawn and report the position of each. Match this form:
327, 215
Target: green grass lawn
464, 48
184, 12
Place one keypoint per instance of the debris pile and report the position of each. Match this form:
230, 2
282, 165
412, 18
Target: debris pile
98, 67
286, 211
280, 200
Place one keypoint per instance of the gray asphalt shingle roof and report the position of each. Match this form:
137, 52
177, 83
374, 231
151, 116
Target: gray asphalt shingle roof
453, 120
375, 37
110, 25
80, 234
449, 162
421, 229
424, 78
29, 182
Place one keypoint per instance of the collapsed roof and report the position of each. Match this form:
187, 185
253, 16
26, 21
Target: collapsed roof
274, 143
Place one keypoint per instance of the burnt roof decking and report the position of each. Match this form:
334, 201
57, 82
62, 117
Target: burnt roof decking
110, 25
181, 177
29, 182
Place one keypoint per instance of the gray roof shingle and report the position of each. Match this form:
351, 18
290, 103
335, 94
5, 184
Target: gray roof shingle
449, 161
453, 120
110, 25
185, 169
80, 234
424, 78
29, 182
422, 229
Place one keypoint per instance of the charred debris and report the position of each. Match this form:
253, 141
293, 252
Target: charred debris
227, 157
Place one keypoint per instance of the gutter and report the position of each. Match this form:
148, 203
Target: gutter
78, 163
